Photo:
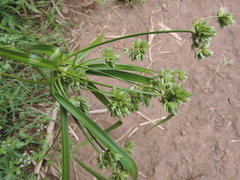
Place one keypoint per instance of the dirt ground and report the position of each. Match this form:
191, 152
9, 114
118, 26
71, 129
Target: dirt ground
203, 141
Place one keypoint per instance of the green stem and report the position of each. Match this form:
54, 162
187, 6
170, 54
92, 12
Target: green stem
107, 75
210, 17
88, 80
86, 135
42, 73
61, 87
95, 140
124, 37
57, 88
91, 61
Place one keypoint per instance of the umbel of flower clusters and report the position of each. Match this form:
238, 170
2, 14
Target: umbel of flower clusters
202, 33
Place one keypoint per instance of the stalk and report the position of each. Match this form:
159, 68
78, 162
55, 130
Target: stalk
125, 37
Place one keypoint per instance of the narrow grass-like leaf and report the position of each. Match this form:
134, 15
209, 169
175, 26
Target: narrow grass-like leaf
112, 127
52, 51
98, 95
15, 33
100, 134
94, 173
30, 81
120, 74
161, 122
126, 67
83, 54
26, 58
65, 145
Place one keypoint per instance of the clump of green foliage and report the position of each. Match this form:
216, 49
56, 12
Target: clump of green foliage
23, 130
202, 33
68, 74
18, 25
109, 159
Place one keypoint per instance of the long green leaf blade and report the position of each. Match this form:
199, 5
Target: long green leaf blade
52, 51
26, 58
65, 145
112, 127
119, 74
100, 134
30, 81
126, 67
161, 122
94, 173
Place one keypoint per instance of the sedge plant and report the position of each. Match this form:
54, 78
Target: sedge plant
68, 74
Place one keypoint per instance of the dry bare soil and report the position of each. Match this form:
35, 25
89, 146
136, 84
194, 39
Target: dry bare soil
203, 141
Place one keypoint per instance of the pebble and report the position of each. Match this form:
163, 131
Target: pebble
231, 100
227, 151
65, 10
216, 157
183, 133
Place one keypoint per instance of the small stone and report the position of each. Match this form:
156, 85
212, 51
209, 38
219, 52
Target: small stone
183, 133
205, 90
231, 100
226, 151
164, 7
216, 157
172, 162
86, 4
187, 124
65, 10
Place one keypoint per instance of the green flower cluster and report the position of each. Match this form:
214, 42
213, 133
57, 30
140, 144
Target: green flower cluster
201, 38
120, 103
202, 33
130, 146
76, 77
109, 159
164, 83
172, 93
225, 19
175, 96
139, 49
144, 94
110, 57
81, 103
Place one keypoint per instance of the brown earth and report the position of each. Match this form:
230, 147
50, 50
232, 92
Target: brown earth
203, 141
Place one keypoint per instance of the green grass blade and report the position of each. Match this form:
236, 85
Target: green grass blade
125, 76
98, 95
52, 51
83, 54
30, 81
26, 58
94, 173
15, 33
161, 122
100, 134
65, 145
126, 67
112, 127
